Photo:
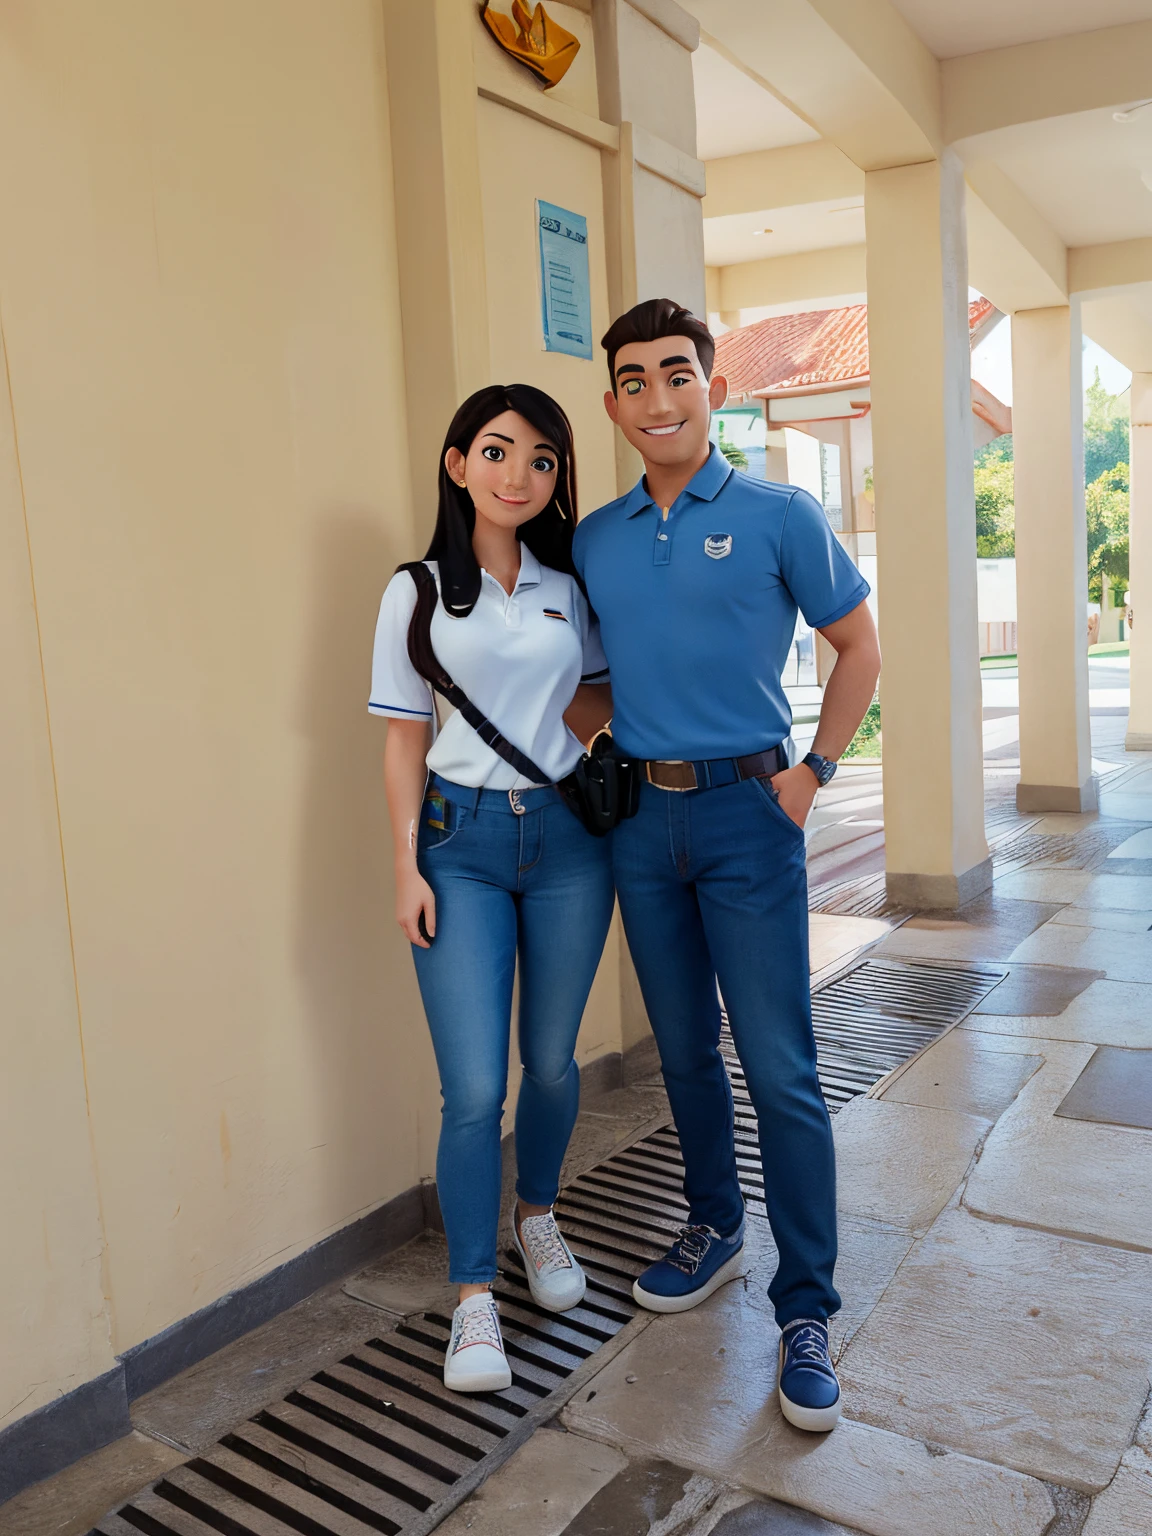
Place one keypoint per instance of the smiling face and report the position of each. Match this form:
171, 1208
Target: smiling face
510, 470
663, 402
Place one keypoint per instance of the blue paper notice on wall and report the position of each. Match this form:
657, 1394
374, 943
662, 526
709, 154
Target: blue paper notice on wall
565, 286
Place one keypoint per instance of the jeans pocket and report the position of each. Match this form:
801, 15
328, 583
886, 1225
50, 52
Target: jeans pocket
440, 822
768, 794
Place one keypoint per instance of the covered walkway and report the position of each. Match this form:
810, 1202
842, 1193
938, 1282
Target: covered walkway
253, 256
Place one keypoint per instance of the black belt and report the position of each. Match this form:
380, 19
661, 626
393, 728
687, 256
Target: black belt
714, 772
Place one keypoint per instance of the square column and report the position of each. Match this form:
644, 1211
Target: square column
1139, 737
1051, 561
936, 851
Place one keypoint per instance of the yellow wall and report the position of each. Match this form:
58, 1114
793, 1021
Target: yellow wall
212, 1053
54, 1331
199, 297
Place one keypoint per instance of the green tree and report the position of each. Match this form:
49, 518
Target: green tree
735, 456
1106, 421
868, 739
1106, 504
995, 501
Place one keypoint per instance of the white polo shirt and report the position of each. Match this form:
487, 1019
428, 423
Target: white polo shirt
518, 657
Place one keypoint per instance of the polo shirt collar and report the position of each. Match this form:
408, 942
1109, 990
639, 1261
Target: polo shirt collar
529, 569
529, 576
705, 484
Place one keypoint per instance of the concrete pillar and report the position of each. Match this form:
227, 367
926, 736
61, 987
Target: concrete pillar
936, 852
654, 185
1051, 561
1139, 737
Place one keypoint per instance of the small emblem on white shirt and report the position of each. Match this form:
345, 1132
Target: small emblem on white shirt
554, 613
717, 545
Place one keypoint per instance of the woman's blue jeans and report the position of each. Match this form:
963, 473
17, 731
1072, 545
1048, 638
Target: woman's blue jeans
533, 885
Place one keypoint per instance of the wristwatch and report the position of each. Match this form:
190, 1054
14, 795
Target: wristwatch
822, 767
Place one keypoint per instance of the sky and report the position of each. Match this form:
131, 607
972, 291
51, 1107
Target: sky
992, 364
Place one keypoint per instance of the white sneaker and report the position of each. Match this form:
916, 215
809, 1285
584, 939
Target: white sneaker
475, 1361
555, 1279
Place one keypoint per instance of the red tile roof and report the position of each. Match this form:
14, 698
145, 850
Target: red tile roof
799, 354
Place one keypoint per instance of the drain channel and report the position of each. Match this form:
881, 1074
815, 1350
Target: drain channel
374, 1442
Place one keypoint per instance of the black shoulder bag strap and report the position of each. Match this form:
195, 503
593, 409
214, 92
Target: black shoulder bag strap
479, 722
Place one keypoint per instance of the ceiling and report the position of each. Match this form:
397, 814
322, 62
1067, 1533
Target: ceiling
1089, 177
950, 29
1082, 173
808, 227
734, 114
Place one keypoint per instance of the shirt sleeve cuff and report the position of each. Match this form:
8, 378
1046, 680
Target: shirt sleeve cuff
397, 711
595, 677
858, 596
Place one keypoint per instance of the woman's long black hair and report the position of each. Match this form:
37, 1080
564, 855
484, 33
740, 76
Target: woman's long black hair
548, 535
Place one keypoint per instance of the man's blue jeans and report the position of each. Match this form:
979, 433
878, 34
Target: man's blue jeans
540, 886
712, 885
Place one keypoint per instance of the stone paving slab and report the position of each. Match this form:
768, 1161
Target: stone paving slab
1120, 805
70, 1503
1058, 885
773, 1519
901, 1163
1128, 893
1105, 917
978, 1074
986, 929
1105, 1013
1120, 956
650, 1498
1125, 1506
834, 938
1115, 1088
1070, 1176
539, 1490
413, 1279
204, 1402
697, 1388
870, 1254
1037, 989
1015, 1346
1138, 846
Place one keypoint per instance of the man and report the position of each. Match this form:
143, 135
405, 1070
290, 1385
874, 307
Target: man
696, 576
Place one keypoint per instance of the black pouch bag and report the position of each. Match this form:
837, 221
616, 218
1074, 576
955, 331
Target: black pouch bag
604, 787
602, 790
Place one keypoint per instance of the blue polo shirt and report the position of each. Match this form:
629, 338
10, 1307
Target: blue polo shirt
697, 612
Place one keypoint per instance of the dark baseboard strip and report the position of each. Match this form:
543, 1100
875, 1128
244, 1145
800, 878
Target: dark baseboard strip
95, 1414
75, 1425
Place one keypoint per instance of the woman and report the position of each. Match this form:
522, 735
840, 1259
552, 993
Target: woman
491, 867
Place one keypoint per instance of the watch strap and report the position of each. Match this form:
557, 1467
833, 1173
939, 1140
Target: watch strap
822, 767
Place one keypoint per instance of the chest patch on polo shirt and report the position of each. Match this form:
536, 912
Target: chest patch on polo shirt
554, 613
717, 545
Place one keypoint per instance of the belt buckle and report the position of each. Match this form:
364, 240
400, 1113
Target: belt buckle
514, 802
672, 789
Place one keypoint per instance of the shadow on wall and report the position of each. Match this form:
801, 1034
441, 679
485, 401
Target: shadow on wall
376, 1100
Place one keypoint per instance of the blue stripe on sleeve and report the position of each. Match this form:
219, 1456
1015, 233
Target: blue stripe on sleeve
400, 710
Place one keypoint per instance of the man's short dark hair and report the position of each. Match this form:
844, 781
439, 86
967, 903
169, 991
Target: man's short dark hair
651, 321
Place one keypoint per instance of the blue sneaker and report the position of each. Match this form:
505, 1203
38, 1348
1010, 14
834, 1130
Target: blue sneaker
699, 1262
809, 1390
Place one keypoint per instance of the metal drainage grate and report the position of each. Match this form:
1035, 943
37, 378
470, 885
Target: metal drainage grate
374, 1442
